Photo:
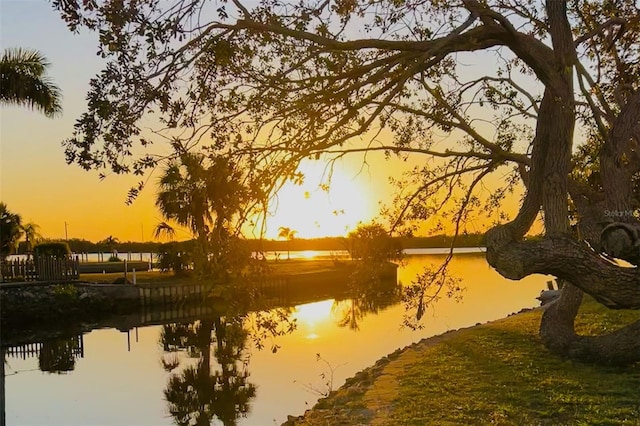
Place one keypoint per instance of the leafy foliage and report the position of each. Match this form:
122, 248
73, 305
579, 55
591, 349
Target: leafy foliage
275, 83
24, 82
58, 249
175, 257
10, 230
205, 194
372, 243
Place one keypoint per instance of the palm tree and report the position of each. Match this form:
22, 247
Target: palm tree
289, 234
182, 198
31, 235
203, 194
10, 231
196, 396
23, 81
163, 229
110, 242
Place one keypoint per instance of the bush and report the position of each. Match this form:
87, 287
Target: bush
65, 291
58, 249
372, 243
114, 259
174, 257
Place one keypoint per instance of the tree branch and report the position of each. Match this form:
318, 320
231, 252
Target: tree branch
566, 258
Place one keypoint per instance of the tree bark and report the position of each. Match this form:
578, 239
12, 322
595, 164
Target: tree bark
559, 253
568, 259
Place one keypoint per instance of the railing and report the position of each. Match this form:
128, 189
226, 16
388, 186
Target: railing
42, 268
24, 351
74, 345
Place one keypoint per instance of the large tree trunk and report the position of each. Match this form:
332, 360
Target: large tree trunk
560, 254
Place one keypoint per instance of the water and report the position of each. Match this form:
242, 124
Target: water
271, 255
119, 377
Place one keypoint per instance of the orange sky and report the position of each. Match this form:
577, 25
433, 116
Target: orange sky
36, 183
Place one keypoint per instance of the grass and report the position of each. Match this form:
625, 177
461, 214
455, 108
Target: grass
498, 373
282, 267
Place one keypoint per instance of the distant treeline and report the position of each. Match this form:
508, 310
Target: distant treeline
328, 243
340, 243
77, 245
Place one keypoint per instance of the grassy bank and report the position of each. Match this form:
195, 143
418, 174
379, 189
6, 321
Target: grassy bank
496, 373
282, 267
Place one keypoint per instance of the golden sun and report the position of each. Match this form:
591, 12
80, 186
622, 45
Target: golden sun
324, 205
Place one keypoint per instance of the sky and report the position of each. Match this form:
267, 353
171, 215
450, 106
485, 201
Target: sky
68, 202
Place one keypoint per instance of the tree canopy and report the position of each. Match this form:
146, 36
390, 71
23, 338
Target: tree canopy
526, 90
10, 231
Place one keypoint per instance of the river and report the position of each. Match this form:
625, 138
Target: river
167, 374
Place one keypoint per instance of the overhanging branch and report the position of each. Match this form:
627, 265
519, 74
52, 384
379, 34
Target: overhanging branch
566, 258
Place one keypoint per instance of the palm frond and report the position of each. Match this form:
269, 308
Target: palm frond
164, 229
23, 82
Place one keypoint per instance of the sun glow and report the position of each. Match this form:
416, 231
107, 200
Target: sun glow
312, 314
308, 254
326, 204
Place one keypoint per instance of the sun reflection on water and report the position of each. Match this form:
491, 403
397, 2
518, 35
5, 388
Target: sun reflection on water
313, 314
308, 254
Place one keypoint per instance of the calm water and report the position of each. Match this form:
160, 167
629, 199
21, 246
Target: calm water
305, 254
121, 378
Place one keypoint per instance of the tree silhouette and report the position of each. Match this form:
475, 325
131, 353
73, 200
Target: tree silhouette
58, 355
506, 82
10, 231
31, 234
196, 396
203, 194
110, 243
288, 234
24, 82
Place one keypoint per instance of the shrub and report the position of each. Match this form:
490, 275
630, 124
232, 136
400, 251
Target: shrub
66, 291
174, 257
113, 258
57, 249
372, 243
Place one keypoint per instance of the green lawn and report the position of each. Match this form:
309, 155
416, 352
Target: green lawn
497, 373
282, 267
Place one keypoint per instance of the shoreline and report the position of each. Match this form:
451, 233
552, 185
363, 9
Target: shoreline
343, 407
497, 372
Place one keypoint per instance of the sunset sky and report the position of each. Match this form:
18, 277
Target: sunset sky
36, 182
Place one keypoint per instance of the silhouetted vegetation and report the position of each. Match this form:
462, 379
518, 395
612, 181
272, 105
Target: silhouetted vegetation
57, 249
272, 85
10, 231
78, 245
24, 82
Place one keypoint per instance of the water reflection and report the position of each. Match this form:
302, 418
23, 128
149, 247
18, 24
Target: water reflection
217, 385
193, 367
54, 355
352, 311
195, 395
59, 355
370, 291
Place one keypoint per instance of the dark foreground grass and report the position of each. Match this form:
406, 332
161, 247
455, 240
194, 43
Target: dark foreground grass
498, 373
